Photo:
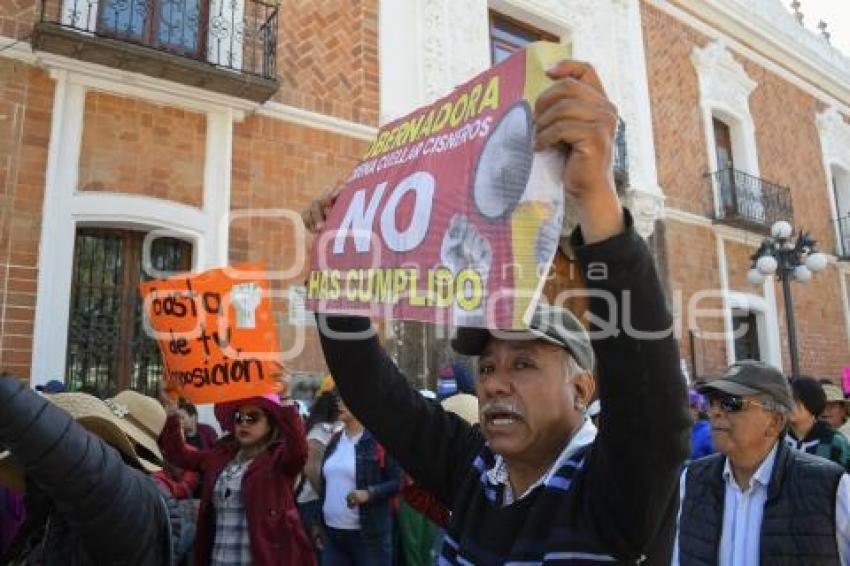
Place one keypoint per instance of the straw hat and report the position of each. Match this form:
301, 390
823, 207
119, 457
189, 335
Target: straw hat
125, 422
463, 405
833, 393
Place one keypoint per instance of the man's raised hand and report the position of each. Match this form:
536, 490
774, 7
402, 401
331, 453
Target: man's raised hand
316, 213
575, 114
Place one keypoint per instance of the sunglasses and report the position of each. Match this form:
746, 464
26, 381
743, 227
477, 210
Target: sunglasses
246, 418
734, 403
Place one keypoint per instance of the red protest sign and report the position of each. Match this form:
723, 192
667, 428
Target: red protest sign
451, 216
215, 332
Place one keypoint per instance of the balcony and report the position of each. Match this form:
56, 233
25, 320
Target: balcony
226, 46
843, 251
747, 202
621, 159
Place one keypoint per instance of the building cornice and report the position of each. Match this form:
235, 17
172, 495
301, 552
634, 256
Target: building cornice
318, 121
108, 79
17, 49
767, 28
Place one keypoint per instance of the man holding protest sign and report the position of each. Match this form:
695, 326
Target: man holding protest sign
535, 482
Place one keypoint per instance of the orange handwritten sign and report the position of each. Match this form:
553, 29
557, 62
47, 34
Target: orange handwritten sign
216, 333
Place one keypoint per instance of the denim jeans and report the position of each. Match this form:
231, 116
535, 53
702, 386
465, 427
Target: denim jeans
349, 548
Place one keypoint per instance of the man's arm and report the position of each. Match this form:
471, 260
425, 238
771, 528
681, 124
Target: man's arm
116, 510
644, 438
396, 414
640, 448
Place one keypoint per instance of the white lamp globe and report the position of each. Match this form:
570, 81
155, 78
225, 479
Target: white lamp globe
802, 273
781, 229
755, 277
816, 261
767, 265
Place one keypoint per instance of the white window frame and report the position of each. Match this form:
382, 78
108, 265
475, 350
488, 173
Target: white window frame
767, 328
725, 89
839, 180
835, 144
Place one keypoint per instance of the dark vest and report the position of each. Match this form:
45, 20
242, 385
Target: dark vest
799, 514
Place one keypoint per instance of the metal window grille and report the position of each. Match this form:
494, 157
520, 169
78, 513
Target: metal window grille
239, 35
108, 349
749, 200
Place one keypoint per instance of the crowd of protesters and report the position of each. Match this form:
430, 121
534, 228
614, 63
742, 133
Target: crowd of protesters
354, 503
561, 449
271, 490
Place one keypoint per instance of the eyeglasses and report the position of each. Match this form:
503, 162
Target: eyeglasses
735, 403
246, 418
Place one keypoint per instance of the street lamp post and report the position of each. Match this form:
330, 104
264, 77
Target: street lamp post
790, 261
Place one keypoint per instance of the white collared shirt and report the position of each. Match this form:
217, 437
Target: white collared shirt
740, 542
498, 474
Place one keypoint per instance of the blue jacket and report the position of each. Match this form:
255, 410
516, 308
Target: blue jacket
380, 475
701, 440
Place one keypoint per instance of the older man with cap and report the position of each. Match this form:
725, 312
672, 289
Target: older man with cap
534, 482
758, 501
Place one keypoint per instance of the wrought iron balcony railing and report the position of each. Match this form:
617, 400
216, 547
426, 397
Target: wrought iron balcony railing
843, 251
239, 36
750, 202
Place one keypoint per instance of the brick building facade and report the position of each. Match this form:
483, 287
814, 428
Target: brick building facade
789, 135
104, 142
111, 129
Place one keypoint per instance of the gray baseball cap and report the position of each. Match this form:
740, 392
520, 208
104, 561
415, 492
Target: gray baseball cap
750, 377
549, 323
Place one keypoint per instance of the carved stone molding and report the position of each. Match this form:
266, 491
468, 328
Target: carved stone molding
646, 206
834, 136
721, 78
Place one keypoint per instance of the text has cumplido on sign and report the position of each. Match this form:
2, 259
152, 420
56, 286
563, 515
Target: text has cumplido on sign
451, 216
216, 333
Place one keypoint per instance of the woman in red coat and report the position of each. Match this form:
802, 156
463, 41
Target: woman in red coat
247, 513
